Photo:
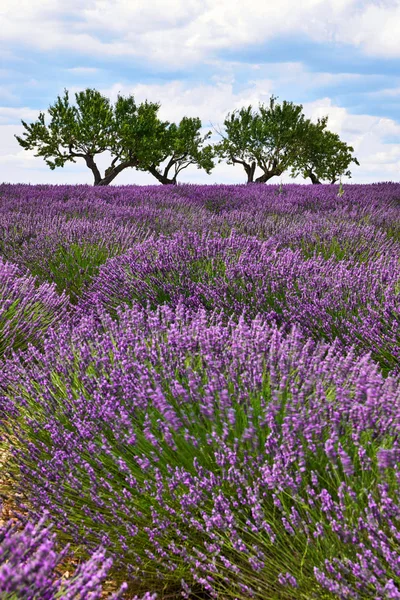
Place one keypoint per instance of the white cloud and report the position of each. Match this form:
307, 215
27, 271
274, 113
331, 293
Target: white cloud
83, 70
375, 29
9, 114
387, 92
209, 102
212, 102
184, 32
341, 121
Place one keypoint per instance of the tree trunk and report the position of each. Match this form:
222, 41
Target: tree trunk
314, 178
268, 175
162, 178
110, 173
250, 170
93, 167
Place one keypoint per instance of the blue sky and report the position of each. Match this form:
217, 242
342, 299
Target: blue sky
205, 58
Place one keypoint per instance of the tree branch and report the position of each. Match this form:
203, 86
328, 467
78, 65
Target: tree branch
160, 176
113, 162
112, 172
190, 162
74, 154
216, 131
169, 165
240, 162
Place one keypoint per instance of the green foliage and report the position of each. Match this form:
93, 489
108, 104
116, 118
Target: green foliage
182, 145
132, 133
73, 131
137, 132
238, 144
268, 139
323, 155
273, 139
73, 267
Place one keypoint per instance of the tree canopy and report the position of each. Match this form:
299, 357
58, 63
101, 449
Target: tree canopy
91, 127
267, 139
273, 139
322, 155
133, 134
182, 145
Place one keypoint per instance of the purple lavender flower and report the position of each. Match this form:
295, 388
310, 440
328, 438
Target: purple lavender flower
388, 458
30, 563
26, 310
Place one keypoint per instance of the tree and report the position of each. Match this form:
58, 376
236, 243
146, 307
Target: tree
322, 155
129, 132
268, 139
182, 146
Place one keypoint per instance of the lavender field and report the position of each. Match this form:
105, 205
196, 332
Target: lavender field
200, 392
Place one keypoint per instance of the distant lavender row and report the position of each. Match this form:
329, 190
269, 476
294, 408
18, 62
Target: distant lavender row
92, 201
254, 210
357, 303
212, 453
62, 234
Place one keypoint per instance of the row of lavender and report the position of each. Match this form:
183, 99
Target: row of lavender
226, 454
38, 222
238, 439
302, 255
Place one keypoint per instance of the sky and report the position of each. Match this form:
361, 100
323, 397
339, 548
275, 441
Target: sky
205, 58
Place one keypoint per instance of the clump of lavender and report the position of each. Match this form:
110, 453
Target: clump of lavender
65, 251
30, 567
27, 310
356, 303
208, 452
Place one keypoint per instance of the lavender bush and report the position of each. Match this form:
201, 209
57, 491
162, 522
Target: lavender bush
30, 567
26, 309
230, 455
356, 303
67, 252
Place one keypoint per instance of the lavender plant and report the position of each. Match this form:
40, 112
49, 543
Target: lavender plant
358, 304
67, 252
223, 454
216, 405
30, 567
27, 310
